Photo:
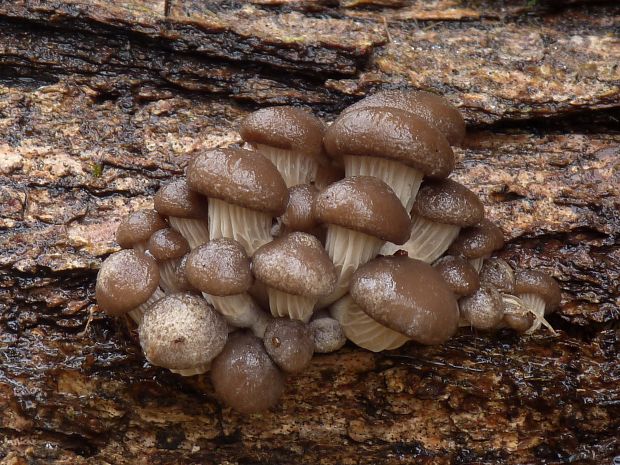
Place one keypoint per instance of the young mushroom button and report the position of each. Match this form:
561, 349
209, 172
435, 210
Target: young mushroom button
289, 343
395, 146
326, 332
297, 272
290, 137
299, 215
136, 228
483, 310
477, 243
459, 275
245, 191
499, 274
168, 247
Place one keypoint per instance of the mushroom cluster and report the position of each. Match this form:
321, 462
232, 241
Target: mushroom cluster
307, 235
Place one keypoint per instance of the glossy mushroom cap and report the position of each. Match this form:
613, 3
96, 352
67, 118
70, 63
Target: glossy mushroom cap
182, 332
478, 241
484, 309
296, 264
244, 376
126, 280
138, 227
176, 199
167, 244
432, 108
447, 201
365, 204
239, 177
393, 134
220, 267
499, 274
289, 343
408, 296
541, 284
286, 128
180, 276
299, 215
459, 275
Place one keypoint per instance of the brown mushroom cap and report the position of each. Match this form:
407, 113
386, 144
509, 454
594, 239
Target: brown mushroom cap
365, 204
459, 274
219, 267
167, 244
297, 264
240, 177
408, 296
244, 376
126, 280
541, 284
176, 199
138, 227
180, 276
182, 331
478, 241
432, 108
484, 309
299, 215
286, 128
394, 134
447, 201
289, 343
499, 274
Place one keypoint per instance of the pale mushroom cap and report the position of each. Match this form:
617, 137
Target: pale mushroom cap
327, 334
240, 177
408, 296
484, 309
499, 274
436, 110
289, 343
393, 134
126, 280
541, 284
299, 215
181, 332
167, 244
447, 201
297, 264
365, 204
478, 241
286, 128
219, 267
176, 199
138, 227
244, 376
460, 276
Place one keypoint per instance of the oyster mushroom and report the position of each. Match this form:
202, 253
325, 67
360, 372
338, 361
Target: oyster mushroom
484, 309
245, 191
327, 333
291, 138
477, 243
497, 273
136, 228
395, 146
540, 293
183, 333
299, 215
459, 275
168, 247
289, 343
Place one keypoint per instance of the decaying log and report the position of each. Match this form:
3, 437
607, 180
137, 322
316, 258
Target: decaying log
102, 101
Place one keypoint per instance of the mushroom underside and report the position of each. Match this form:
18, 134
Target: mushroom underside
195, 231
168, 276
137, 313
536, 305
296, 307
240, 311
295, 168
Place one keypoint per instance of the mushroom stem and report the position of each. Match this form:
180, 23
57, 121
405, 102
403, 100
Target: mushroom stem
137, 313
195, 231
477, 263
248, 227
536, 305
348, 250
295, 168
292, 306
362, 330
198, 370
428, 240
404, 180
241, 311
167, 276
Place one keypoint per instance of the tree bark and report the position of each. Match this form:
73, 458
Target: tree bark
102, 101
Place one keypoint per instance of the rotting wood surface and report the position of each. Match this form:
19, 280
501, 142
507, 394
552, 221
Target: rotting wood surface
102, 101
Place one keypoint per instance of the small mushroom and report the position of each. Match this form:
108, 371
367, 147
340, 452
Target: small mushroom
477, 243
436, 110
497, 273
361, 213
220, 269
289, 343
183, 333
291, 138
299, 215
540, 293
517, 315
395, 146
484, 309
180, 277
168, 247
297, 272
136, 228
327, 333
186, 210
127, 282
244, 376
459, 275
440, 210
245, 191
328, 174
